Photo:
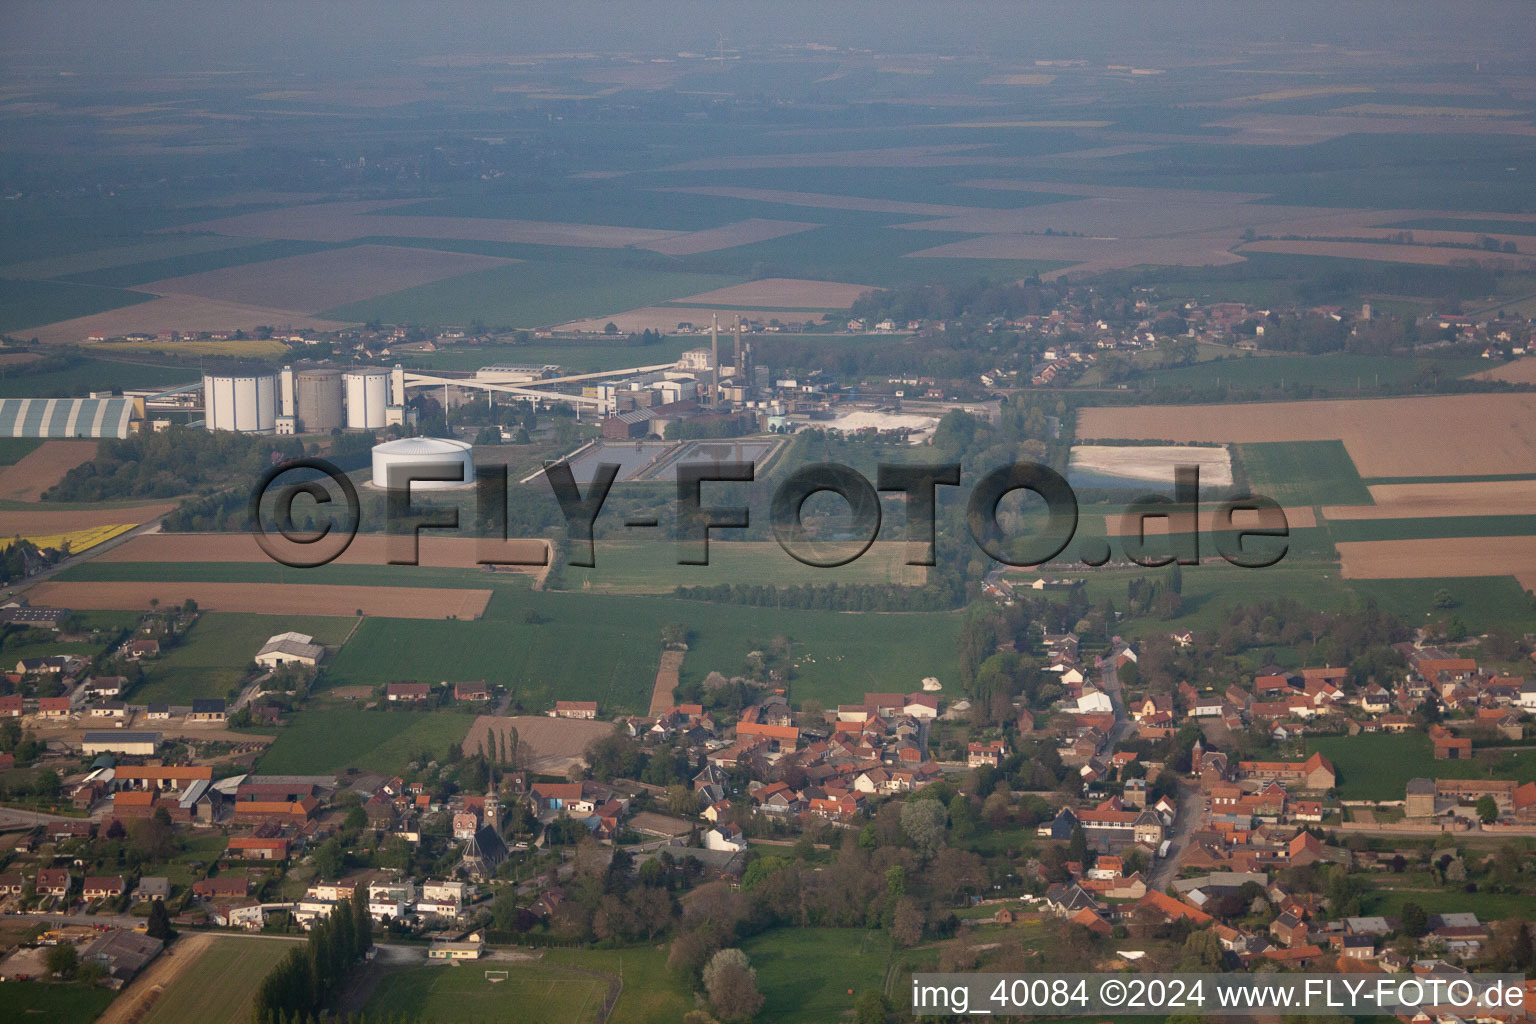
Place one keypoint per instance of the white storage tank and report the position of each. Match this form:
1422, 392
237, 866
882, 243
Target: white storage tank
243, 402
319, 399
394, 461
367, 397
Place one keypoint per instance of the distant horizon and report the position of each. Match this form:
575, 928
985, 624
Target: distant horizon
80, 36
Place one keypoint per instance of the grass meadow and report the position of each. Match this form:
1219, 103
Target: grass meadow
1304, 473
218, 987
214, 656
460, 993
318, 742
1377, 766
56, 1004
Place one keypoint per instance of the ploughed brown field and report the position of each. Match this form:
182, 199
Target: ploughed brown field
270, 598
185, 313
319, 280
43, 467
547, 745
1439, 557
1521, 371
365, 549
783, 293
1296, 518
44, 520
1418, 501
1442, 435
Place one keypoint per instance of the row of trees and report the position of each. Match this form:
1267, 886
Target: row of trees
297, 988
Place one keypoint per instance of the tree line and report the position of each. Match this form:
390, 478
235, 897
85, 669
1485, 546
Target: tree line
296, 990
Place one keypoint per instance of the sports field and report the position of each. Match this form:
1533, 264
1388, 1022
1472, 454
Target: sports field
218, 985
460, 992
320, 742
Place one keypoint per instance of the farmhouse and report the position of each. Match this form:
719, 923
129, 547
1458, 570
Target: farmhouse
476, 691
52, 707
574, 709
100, 887
54, 882
1315, 773
208, 711
408, 692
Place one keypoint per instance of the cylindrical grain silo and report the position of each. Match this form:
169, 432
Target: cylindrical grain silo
319, 399
242, 402
367, 396
394, 462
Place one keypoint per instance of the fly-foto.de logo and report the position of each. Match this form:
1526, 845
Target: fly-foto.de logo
313, 486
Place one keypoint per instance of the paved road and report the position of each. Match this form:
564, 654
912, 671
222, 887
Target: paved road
1189, 817
15, 817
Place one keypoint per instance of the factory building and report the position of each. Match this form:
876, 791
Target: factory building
70, 417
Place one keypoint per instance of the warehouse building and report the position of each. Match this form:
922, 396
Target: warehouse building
70, 417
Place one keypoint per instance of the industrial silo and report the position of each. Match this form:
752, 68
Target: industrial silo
243, 402
367, 396
394, 462
319, 399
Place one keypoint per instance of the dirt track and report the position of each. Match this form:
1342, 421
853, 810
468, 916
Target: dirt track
139, 995
271, 598
667, 678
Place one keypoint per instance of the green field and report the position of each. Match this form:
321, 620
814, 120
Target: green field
1482, 602
1331, 374
1488, 906
606, 648
26, 304
219, 985
1298, 473
805, 974
460, 993
1431, 526
639, 567
90, 375
214, 656
14, 449
320, 742
530, 295
548, 644
55, 1004
1377, 766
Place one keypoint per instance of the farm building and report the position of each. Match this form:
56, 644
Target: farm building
290, 649
123, 953
118, 742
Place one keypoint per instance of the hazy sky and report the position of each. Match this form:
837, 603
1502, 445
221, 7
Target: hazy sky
172, 35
